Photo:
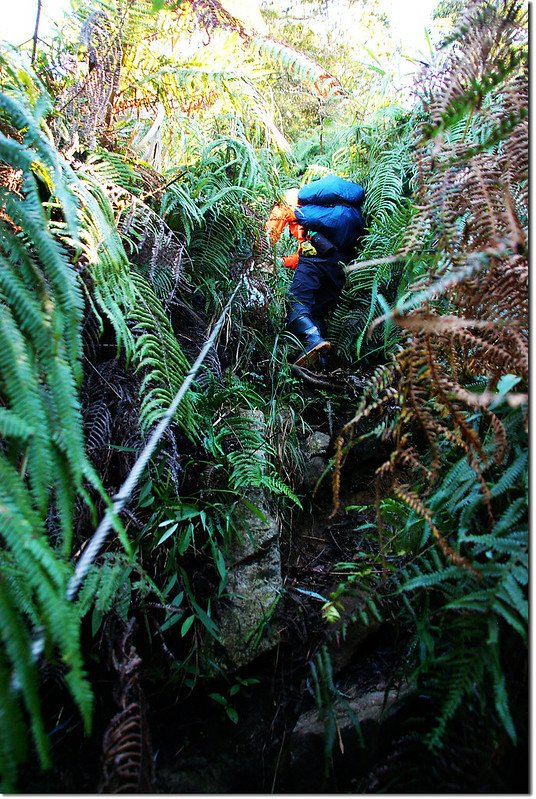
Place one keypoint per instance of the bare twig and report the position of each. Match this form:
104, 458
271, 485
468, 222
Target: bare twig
36, 31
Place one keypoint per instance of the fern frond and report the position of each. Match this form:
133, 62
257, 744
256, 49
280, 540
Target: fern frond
159, 354
156, 249
324, 84
252, 458
16, 641
510, 475
179, 206
111, 168
464, 670
103, 250
43, 467
430, 580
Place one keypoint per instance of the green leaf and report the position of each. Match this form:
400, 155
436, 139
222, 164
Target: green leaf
314, 594
218, 698
169, 532
185, 538
254, 509
173, 619
187, 623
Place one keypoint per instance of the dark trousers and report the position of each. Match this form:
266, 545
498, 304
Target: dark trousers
317, 285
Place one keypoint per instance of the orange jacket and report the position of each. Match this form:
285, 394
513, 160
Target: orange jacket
283, 214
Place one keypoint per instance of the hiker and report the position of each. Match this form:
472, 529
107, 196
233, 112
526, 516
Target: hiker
325, 218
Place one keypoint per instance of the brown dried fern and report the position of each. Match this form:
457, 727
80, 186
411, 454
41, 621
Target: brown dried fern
472, 319
127, 762
151, 242
87, 104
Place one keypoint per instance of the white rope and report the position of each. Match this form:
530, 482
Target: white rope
92, 549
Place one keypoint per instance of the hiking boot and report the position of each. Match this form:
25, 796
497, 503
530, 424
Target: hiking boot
313, 343
311, 354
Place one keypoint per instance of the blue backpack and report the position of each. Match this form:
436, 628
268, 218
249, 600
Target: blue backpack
331, 206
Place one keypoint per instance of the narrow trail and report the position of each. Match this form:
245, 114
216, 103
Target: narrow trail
277, 745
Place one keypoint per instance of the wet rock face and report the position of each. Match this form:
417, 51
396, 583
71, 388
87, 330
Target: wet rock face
196, 775
313, 471
254, 580
254, 585
315, 450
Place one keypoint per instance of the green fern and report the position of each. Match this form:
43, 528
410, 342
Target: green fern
159, 355
180, 208
43, 465
111, 291
387, 173
114, 169
477, 615
252, 462
300, 65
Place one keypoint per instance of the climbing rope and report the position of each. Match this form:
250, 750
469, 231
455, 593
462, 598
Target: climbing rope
124, 493
93, 548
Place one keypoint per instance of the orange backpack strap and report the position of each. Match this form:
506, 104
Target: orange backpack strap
282, 214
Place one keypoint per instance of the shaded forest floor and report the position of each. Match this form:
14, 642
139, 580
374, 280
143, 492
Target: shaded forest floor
278, 743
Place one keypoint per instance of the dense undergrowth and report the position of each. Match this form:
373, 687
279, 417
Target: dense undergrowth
121, 239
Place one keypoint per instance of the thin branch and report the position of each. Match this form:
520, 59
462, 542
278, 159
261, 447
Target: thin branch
36, 31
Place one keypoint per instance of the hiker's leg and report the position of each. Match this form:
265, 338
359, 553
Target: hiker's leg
304, 288
329, 290
300, 320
